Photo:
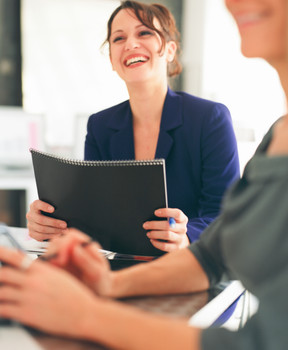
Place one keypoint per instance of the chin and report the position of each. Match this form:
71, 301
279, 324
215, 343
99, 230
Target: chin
253, 52
260, 52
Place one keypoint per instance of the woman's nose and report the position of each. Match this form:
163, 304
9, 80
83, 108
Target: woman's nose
132, 43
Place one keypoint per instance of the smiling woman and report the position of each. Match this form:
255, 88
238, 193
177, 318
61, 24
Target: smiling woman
133, 45
159, 21
193, 135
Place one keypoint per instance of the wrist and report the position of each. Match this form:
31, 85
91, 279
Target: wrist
126, 282
92, 324
117, 285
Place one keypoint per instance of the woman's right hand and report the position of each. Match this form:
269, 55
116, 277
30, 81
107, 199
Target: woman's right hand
78, 254
43, 227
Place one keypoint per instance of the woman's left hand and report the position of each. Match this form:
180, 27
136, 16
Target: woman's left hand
168, 237
41, 295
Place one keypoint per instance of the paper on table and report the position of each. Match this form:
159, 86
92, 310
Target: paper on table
16, 337
29, 244
38, 248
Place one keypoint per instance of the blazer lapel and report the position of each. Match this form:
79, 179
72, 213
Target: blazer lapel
171, 119
122, 141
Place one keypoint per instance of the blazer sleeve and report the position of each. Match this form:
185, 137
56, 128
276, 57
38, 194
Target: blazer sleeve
219, 166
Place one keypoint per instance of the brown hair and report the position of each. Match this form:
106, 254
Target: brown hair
145, 14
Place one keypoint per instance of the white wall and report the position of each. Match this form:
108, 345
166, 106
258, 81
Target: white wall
65, 73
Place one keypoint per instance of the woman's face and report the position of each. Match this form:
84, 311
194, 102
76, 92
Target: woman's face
262, 27
135, 50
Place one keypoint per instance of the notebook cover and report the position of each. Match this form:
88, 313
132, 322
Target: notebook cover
109, 200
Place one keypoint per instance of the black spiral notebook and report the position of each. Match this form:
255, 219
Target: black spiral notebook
109, 200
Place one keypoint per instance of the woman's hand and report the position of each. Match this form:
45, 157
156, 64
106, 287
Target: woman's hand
47, 298
168, 237
43, 296
76, 253
42, 227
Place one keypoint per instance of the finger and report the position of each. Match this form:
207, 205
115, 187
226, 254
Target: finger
164, 226
169, 236
11, 256
60, 248
12, 311
164, 246
9, 294
89, 255
45, 224
94, 250
74, 232
87, 264
39, 205
156, 225
175, 213
11, 276
41, 233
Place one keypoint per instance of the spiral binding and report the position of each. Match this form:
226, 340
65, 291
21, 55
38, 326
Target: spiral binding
79, 162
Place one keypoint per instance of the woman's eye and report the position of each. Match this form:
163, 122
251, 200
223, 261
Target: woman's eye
145, 32
117, 38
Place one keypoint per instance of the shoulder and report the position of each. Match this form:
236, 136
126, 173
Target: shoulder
106, 116
201, 104
203, 111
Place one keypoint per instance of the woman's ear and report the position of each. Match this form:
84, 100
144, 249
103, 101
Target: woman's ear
171, 50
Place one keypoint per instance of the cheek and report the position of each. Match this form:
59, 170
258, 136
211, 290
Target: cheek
276, 40
267, 43
114, 57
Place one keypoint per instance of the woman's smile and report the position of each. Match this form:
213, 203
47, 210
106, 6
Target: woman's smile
135, 60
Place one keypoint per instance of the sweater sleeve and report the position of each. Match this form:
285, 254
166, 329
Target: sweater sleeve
249, 241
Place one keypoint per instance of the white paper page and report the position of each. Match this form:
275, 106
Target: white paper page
15, 338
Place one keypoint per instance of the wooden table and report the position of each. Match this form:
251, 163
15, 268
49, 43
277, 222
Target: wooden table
180, 306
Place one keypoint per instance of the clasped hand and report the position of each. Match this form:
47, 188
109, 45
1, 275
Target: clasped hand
43, 286
164, 236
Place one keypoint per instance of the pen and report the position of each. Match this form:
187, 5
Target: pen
118, 256
172, 222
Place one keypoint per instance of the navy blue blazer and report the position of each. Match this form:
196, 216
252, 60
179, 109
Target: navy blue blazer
197, 141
